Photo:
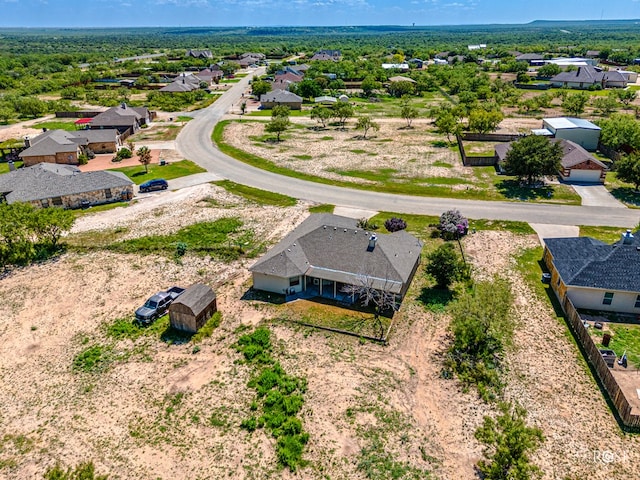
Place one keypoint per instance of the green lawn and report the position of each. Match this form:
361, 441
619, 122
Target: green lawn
486, 186
172, 170
58, 124
267, 113
256, 195
604, 234
624, 338
323, 208
99, 208
625, 192
4, 166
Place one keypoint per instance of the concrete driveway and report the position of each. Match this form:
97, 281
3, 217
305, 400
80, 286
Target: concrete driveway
596, 196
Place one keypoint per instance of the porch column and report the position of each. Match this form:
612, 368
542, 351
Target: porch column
335, 286
320, 287
304, 283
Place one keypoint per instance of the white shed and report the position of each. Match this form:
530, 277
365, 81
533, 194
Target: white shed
578, 130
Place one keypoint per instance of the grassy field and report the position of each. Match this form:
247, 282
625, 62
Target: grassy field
58, 124
256, 195
604, 234
4, 166
168, 172
159, 132
624, 338
488, 185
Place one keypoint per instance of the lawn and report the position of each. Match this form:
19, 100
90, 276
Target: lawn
604, 234
256, 195
168, 171
625, 192
624, 338
68, 125
159, 132
4, 166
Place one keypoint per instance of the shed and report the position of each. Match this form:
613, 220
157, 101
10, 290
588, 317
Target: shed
191, 310
578, 130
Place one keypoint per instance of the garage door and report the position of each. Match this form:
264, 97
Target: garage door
592, 176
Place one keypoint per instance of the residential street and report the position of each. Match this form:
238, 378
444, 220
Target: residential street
194, 143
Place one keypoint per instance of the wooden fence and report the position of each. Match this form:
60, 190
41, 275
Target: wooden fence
592, 352
78, 114
490, 137
474, 161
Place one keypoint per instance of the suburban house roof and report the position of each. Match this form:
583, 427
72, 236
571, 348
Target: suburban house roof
589, 74
526, 57
61, 141
122, 115
572, 153
199, 53
396, 66
280, 96
291, 77
587, 262
325, 99
559, 123
333, 247
280, 85
47, 180
196, 298
259, 56
183, 83
400, 78
324, 57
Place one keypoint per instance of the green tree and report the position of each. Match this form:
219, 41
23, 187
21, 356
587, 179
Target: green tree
533, 157
482, 121
144, 157
626, 96
307, 88
401, 88
574, 103
446, 266
277, 125
369, 84
321, 115
408, 112
51, 223
280, 111
366, 123
628, 169
549, 70
260, 87
447, 124
342, 111
509, 443
620, 130
605, 106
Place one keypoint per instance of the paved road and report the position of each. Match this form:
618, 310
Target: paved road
194, 142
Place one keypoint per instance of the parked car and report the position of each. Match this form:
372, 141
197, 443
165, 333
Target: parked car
155, 184
157, 305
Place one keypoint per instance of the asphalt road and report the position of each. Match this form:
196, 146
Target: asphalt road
194, 142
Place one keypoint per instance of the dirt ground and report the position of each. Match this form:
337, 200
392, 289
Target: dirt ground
161, 411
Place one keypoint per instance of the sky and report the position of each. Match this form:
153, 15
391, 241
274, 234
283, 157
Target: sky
220, 13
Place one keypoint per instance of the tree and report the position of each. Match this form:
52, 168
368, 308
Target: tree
408, 112
380, 298
369, 84
445, 266
280, 111
447, 124
628, 169
605, 106
307, 88
277, 125
260, 87
144, 157
51, 223
549, 70
366, 123
509, 443
321, 115
626, 96
574, 103
401, 88
395, 224
482, 121
342, 111
532, 158
620, 131
453, 224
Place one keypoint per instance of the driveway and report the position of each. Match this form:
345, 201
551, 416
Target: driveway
596, 196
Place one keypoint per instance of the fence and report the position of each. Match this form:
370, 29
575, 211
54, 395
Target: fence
78, 114
474, 161
594, 357
490, 137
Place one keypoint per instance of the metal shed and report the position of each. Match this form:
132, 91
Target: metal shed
578, 130
191, 310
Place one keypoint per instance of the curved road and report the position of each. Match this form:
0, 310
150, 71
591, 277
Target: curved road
194, 143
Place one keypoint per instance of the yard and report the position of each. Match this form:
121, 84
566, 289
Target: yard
76, 377
169, 171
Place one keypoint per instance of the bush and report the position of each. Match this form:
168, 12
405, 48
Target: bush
365, 224
83, 159
453, 225
123, 153
84, 471
445, 266
395, 224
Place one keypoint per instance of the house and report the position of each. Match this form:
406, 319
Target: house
327, 252
596, 275
403, 67
578, 130
288, 77
258, 56
281, 97
191, 310
183, 83
573, 62
281, 85
324, 55
589, 77
61, 146
199, 53
125, 119
533, 59
400, 78
47, 184
592, 53
416, 62
577, 165
325, 100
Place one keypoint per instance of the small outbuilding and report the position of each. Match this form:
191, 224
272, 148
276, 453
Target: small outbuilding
191, 310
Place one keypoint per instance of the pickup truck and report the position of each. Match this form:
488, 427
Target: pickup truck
157, 305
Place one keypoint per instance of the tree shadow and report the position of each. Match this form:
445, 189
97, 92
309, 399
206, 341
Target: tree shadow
173, 336
514, 189
627, 195
138, 174
435, 299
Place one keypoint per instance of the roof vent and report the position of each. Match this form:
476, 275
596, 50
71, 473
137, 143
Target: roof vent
627, 238
335, 228
372, 242
345, 230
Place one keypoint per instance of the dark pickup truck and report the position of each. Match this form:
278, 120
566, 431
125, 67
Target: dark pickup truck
157, 305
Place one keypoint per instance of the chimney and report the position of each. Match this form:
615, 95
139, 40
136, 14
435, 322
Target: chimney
27, 142
372, 242
627, 238
123, 106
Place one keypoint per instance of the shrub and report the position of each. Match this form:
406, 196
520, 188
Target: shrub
92, 359
181, 249
395, 224
84, 471
365, 224
446, 266
453, 225
83, 159
123, 153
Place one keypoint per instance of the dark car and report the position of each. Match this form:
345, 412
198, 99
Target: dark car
155, 184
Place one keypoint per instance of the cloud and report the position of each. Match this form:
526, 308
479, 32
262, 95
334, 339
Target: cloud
184, 3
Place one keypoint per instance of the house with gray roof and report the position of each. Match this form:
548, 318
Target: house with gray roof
46, 184
577, 165
531, 58
578, 130
199, 53
596, 275
61, 146
327, 252
281, 97
125, 119
587, 76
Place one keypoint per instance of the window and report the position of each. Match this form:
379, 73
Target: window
56, 201
107, 193
637, 305
608, 298
294, 281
